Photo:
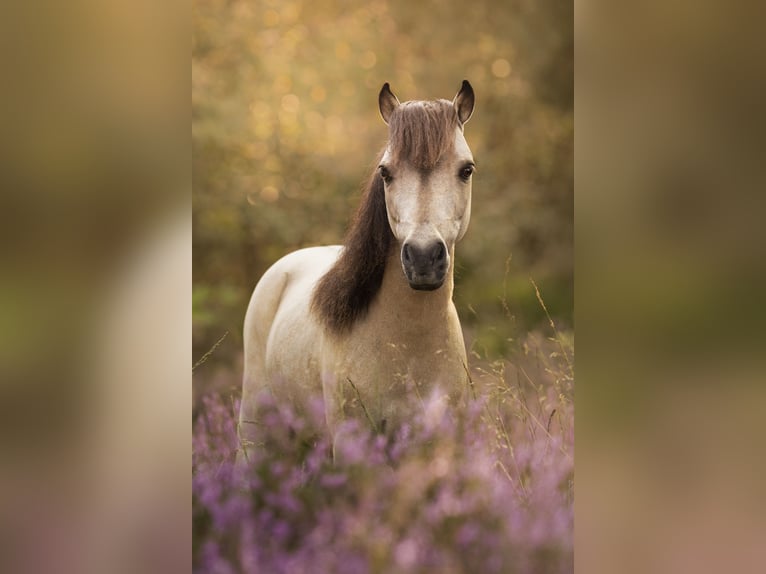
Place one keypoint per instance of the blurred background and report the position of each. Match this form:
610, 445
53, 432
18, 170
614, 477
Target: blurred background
95, 273
286, 128
670, 282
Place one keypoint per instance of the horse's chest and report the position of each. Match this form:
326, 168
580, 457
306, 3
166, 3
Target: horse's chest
384, 377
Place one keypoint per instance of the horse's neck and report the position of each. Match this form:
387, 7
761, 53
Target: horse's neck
404, 309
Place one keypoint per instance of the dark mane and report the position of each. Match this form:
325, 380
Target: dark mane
419, 132
344, 294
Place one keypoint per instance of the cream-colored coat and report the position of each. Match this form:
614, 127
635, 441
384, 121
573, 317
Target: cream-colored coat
409, 344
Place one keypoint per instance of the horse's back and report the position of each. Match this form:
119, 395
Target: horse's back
279, 324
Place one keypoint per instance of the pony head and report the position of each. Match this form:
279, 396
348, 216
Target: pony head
426, 171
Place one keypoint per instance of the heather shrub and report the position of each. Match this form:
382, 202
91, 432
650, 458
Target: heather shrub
488, 489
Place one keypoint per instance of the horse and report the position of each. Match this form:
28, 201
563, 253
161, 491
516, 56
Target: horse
371, 326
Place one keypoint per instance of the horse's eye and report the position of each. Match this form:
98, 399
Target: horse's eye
465, 173
385, 174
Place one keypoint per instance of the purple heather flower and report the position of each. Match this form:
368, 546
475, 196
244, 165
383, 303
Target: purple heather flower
442, 493
333, 480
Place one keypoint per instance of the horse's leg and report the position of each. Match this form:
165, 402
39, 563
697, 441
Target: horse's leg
259, 321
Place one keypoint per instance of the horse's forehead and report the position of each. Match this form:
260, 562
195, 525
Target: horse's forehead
461, 149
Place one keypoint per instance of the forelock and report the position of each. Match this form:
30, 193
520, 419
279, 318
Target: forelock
421, 132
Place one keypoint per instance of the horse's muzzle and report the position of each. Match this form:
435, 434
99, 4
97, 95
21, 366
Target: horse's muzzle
425, 267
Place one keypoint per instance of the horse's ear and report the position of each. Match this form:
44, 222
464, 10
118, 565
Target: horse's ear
463, 102
387, 102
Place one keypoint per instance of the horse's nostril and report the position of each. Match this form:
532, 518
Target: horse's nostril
406, 253
437, 253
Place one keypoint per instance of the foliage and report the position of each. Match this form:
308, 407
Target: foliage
486, 490
285, 128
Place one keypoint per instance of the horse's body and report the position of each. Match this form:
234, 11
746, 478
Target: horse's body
371, 325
